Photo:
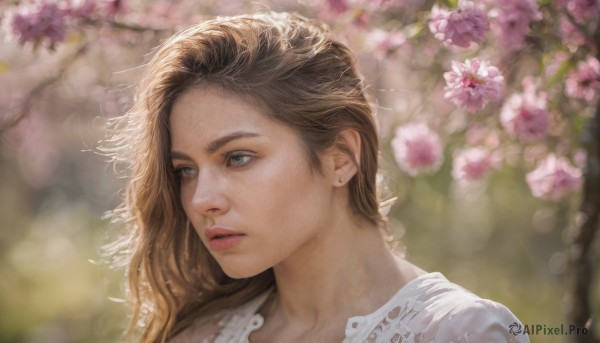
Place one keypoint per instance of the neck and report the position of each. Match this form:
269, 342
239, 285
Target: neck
347, 271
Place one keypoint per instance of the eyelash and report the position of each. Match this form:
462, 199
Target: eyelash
228, 157
179, 171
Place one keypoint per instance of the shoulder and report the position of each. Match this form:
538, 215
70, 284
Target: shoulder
433, 309
452, 313
479, 320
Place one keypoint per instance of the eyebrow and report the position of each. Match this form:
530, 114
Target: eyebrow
217, 144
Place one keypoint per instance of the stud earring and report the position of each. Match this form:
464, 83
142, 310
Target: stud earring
341, 180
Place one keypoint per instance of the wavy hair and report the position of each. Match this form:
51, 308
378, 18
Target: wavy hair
302, 78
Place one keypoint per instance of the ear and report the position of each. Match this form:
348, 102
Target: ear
346, 156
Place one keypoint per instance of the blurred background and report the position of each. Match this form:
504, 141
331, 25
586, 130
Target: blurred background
492, 236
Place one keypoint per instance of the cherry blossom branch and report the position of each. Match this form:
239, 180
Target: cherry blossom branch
590, 40
39, 89
121, 26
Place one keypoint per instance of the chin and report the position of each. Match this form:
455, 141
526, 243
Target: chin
241, 270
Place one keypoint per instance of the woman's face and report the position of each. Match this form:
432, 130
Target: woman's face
245, 182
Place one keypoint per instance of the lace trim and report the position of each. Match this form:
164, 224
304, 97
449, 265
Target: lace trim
238, 326
355, 324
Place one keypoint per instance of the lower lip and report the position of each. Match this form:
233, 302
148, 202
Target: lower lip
225, 243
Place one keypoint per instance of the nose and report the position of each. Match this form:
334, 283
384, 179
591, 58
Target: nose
209, 198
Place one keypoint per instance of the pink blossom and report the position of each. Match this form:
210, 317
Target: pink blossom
114, 7
584, 83
514, 19
385, 43
337, 6
460, 27
527, 8
471, 85
554, 178
581, 10
80, 8
417, 149
37, 22
473, 163
525, 115
569, 34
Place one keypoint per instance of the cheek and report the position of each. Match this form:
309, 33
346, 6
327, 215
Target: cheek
186, 195
284, 183
185, 198
289, 196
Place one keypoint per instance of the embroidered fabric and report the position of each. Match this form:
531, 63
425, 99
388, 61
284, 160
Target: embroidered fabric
428, 309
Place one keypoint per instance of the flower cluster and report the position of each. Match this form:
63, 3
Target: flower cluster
472, 164
471, 85
514, 21
584, 83
337, 6
569, 34
46, 22
525, 115
37, 23
554, 178
417, 149
385, 43
80, 8
461, 27
581, 10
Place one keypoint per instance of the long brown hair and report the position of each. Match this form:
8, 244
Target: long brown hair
302, 78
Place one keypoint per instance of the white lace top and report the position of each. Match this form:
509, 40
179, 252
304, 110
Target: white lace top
427, 309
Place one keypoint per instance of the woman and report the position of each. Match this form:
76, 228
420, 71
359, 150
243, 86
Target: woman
252, 200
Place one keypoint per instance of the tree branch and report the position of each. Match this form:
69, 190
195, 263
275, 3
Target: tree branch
588, 37
121, 26
39, 89
581, 263
584, 230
